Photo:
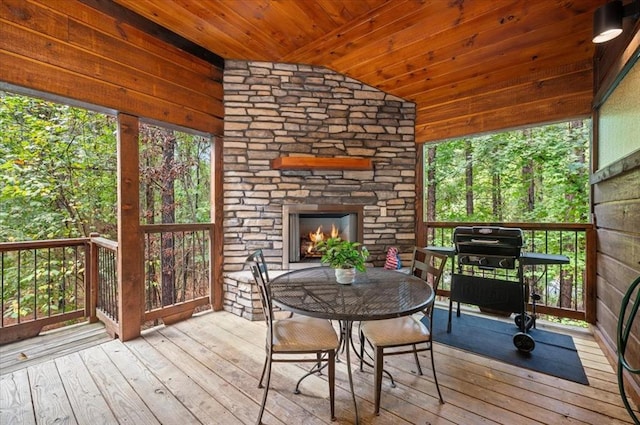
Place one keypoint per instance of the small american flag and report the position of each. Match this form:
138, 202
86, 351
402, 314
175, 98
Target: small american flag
393, 259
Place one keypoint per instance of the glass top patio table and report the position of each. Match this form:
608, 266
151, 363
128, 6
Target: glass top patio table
375, 294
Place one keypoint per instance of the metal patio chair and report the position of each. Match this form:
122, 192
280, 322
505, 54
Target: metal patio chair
292, 339
408, 334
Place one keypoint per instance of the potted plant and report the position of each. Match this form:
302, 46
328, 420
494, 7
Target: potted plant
344, 257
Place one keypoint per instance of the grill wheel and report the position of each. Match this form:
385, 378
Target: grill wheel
524, 342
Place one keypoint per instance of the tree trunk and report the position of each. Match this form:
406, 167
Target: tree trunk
153, 294
496, 197
168, 216
468, 150
431, 191
566, 290
528, 178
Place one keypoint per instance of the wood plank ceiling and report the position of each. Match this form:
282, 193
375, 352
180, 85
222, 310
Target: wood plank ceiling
471, 66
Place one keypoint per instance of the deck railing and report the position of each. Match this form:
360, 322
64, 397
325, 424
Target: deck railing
46, 283
43, 283
104, 278
566, 291
177, 269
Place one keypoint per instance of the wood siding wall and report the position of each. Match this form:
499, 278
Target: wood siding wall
616, 209
69, 49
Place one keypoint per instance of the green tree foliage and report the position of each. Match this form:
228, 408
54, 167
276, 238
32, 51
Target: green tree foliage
57, 170
536, 175
175, 176
554, 187
58, 180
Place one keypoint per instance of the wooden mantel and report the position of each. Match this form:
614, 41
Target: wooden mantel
317, 163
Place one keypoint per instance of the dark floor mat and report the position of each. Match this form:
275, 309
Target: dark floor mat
554, 354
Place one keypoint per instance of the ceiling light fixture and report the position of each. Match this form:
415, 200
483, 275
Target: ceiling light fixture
607, 21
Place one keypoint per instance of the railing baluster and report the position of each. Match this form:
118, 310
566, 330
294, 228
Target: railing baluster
2, 274
19, 284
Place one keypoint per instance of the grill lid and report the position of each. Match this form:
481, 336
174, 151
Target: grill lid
488, 246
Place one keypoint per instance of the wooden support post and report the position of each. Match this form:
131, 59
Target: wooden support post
130, 246
216, 276
590, 280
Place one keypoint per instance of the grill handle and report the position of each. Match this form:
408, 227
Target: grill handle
486, 241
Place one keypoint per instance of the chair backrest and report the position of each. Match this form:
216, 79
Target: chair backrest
258, 267
428, 266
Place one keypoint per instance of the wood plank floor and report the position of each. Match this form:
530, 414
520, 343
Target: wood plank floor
205, 371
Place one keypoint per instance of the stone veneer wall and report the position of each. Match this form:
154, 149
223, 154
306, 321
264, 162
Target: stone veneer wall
276, 109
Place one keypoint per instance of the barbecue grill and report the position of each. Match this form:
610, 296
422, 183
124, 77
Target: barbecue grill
489, 274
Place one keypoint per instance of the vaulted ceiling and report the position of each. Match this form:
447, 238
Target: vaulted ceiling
471, 66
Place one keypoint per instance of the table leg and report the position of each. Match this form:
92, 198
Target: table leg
347, 337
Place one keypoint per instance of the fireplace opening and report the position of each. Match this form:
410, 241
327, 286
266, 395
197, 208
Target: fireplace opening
305, 225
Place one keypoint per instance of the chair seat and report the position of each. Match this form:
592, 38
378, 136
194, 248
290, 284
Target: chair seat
397, 331
301, 333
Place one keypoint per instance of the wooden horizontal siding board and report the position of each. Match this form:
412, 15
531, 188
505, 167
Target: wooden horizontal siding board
78, 60
613, 300
133, 57
315, 163
508, 117
622, 216
621, 246
475, 64
620, 188
487, 48
468, 86
617, 274
121, 69
38, 18
124, 44
608, 322
42, 77
520, 94
117, 29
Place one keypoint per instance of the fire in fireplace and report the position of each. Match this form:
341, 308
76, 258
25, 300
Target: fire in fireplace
304, 225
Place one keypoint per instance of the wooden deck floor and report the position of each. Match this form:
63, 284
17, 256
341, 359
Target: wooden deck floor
205, 371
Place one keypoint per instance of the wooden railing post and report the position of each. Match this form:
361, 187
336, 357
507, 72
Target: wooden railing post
91, 300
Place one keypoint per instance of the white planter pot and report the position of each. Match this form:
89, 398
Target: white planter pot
345, 276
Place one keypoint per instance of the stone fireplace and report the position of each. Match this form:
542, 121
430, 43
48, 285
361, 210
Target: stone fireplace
275, 111
304, 225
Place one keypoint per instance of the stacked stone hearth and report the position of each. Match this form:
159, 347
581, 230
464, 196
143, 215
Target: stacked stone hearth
276, 109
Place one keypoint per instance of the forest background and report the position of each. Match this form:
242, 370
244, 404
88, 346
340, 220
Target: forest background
58, 174
58, 168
